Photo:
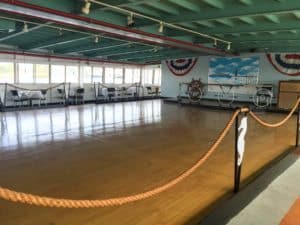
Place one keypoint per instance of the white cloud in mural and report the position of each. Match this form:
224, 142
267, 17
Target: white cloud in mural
234, 64
220, 66
246, 68
246, 60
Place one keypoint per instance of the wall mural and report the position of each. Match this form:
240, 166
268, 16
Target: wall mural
288, 64
181, 67
233, 72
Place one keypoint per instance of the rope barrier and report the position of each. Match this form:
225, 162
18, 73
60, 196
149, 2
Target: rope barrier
255, 117
37, 200
21, 197
28, 89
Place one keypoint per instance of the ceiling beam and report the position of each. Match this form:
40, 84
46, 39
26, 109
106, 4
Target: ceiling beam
272, 18
215, 3
186, 5
247, 20
21, 32
246, 2
233, 10
93, 48
226, 22
127, 51
98, 26
62, 40
162, 6
116, 51
244, 28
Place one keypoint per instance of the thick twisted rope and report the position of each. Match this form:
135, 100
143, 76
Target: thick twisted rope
14, 196
28, 89
252, 114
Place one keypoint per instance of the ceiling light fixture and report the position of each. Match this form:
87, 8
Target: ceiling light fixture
215, 43
130, 21
25, 28
86, 8
162, 23
96, 39
228, 46
161, 27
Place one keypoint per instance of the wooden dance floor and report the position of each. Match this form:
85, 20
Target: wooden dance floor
114, 150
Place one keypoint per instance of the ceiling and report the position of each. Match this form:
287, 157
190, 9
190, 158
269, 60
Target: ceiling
233, 26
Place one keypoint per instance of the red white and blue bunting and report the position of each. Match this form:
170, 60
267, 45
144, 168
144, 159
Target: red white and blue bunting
180, 67
288, 64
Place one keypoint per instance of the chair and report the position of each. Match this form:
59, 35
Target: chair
150, 92
79, 95
111, 93
17, 98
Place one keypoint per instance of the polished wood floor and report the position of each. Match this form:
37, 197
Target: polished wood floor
102, 151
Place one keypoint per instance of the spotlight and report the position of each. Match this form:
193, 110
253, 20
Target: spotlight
228, 46
60, 32
25, 28
86, 8
215, 43
130, 21
161, 27
96, 39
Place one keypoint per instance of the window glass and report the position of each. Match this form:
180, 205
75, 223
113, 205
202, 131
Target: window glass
128, 76
118, 76
97, 74
109, 75
42, 73
7, 72
136, 75
57, 73
72, 74
87, 74
25, 73
148, 73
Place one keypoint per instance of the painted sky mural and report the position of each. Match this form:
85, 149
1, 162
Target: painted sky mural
233, 70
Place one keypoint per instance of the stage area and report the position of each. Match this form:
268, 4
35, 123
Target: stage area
118, 149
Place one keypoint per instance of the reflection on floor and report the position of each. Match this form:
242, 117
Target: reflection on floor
113, 150
25, 128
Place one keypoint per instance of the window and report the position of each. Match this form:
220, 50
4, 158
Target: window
72, 74
118, 76
41, 73
97, 74
25, 73
128, 76
57, 73
136, 75
148, 74
109, 75
87, 74
6, 72
157, 76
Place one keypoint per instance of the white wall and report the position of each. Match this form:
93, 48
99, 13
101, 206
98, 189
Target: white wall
267, 74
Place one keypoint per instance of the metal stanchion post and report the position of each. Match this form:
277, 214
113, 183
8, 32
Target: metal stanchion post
240, 133
236, 167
